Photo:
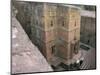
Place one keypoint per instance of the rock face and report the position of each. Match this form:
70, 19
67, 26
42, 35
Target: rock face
25, 56
88, 28
54, 28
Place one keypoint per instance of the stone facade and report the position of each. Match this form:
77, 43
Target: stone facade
69, 32
56, 30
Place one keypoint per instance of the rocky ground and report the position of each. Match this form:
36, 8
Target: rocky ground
25, 56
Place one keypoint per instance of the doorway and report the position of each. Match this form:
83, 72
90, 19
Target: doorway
53, 50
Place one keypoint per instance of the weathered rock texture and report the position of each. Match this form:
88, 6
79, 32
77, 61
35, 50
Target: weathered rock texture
88, 28
26, 57
55, 28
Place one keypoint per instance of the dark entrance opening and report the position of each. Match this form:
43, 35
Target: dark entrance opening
84, 47
53, 49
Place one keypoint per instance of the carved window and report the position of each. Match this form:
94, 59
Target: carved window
88, 41
75, 23
76, 46
53, 49
63, 23
51, 23
75, 37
